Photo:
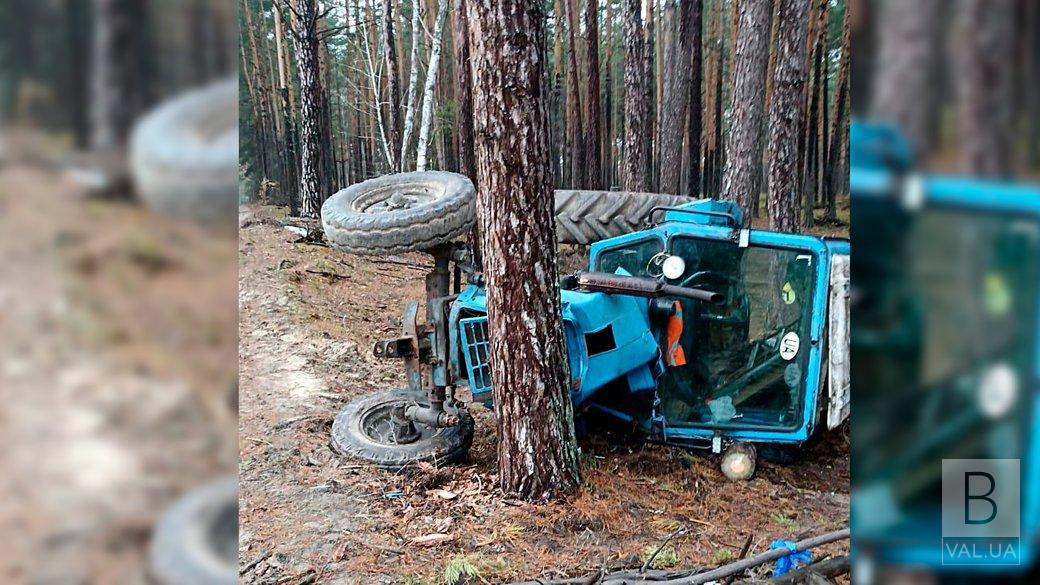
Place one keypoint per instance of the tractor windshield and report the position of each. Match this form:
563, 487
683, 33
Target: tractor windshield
745, 358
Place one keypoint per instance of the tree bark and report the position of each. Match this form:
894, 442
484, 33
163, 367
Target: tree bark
463, 90
636, 159
607, 157
576, 129
904, 72
985, 87
537, 452
393, 85
786, 110
741, 175
305, 38
593, 126
695, 104
678, 94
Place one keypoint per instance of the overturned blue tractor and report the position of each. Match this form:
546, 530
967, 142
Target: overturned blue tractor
693, 331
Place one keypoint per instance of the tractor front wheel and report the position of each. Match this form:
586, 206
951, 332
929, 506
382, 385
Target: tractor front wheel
367, 429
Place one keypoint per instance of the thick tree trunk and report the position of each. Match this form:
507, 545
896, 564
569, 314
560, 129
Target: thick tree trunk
431, 80
593, 128
786, 110
576, 129
741, 176
904, 72
678, 94
393, 85
463, 90
537, 453
305, 38
636, 160
695, 104
985, 86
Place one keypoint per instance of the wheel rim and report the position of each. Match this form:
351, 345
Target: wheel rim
397, 197
376, 426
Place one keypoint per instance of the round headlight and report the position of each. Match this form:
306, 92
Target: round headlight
998, 391
673, 267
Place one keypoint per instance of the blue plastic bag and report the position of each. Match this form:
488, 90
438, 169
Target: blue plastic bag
791, 561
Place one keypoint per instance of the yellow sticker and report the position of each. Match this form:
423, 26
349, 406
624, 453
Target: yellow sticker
788, 294
996, 294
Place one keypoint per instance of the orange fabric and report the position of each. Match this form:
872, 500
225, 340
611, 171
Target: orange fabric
675, 356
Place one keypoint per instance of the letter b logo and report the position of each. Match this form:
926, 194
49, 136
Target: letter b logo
972, 478
980, 497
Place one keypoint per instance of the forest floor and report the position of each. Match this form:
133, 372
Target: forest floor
308, 318
118, 345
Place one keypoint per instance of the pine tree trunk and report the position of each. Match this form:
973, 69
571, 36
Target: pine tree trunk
636, 160
607, 158
985, 87
463, 90
537, 452
786, 110
679, 95
740, 179
695, 104
593, 127
393, 85
305, 39
904, 72
576, 129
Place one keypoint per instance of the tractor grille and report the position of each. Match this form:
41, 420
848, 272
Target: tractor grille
476, 348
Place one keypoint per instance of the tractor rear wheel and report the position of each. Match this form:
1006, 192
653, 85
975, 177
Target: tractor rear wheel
584, 217
406, 212
364, 429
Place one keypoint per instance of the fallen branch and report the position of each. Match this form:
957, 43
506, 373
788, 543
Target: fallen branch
691, 577
759, 559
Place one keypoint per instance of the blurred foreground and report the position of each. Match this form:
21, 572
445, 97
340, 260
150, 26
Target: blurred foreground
118, 339
946, 294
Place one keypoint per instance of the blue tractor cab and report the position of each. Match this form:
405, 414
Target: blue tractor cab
695, 332
945, 346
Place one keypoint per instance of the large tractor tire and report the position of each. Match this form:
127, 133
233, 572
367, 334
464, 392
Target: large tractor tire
399, 213
584, 217
363, 430
196, 540
184, 155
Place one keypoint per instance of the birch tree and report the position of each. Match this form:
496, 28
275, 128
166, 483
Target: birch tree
431, 80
